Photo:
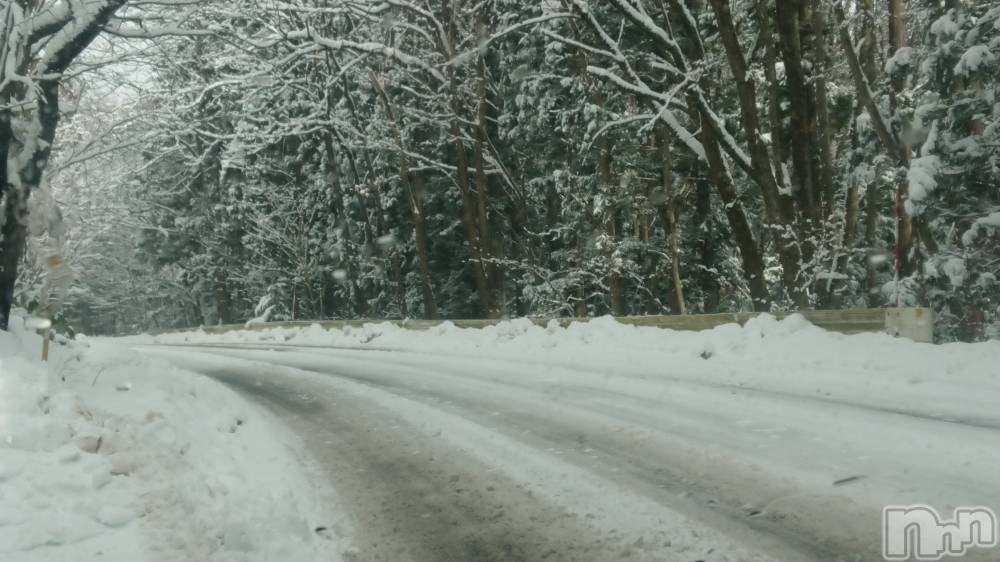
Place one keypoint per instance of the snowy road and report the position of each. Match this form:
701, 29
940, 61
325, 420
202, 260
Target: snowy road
438, 457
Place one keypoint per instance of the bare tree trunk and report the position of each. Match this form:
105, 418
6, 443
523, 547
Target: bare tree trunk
14, 192
675, 261
12, 240
821, 65
773, 98
904, 226
718, 170
869, 71
779, 208
12, 228
750, 256
338, 195
605, 176
340, 214
853, 199
671, 225
871, 222
473, 235
397, 269
486, 242
223, 304
519, 231
605, 179
379, 227
486, 300
852, 208
800, 97
706, 248
414, 196
420, 238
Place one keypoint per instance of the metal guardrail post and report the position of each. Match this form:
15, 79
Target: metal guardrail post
916, 324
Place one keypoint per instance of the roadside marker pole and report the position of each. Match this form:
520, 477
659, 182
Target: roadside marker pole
45, 344
57, 278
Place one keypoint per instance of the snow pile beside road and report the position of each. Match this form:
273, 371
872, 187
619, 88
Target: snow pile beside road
109, 455
793, 356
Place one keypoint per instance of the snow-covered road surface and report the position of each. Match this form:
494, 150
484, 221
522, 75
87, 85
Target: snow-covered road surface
471, 454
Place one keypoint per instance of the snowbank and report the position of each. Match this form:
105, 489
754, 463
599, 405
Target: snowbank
792, 356
108, 455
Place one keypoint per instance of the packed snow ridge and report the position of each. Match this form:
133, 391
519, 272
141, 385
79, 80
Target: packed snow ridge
108, 455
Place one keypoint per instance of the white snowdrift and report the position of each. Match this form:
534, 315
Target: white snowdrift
108, 455
792, 356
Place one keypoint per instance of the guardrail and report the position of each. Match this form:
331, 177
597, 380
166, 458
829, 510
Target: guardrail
914, 323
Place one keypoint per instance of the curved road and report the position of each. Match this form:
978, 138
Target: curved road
477, 459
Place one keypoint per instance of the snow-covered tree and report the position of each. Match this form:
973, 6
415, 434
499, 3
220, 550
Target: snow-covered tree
433, 158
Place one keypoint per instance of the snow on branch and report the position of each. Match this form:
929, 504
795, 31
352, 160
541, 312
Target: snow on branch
376, 49
641, 18
531, 22
661, 102
582, 46
413, 8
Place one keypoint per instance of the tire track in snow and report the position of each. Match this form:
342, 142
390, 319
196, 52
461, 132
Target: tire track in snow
816, 524
651, 473
712, 489
411, 497
980, 422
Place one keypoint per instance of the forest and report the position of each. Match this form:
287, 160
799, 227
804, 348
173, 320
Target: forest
176, 164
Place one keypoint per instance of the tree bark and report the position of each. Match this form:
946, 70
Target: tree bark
706, 247
800, 97
17, 190
853, 200
11, 221
486, 241
904, 226
12, 240
339, 211
605, 177
486, 300
821, 65
869, 71
414, 196
718, 172
477, 251
671, 226
420, 238
773, 98
779, 209
822, 157
338, 199
750, 256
